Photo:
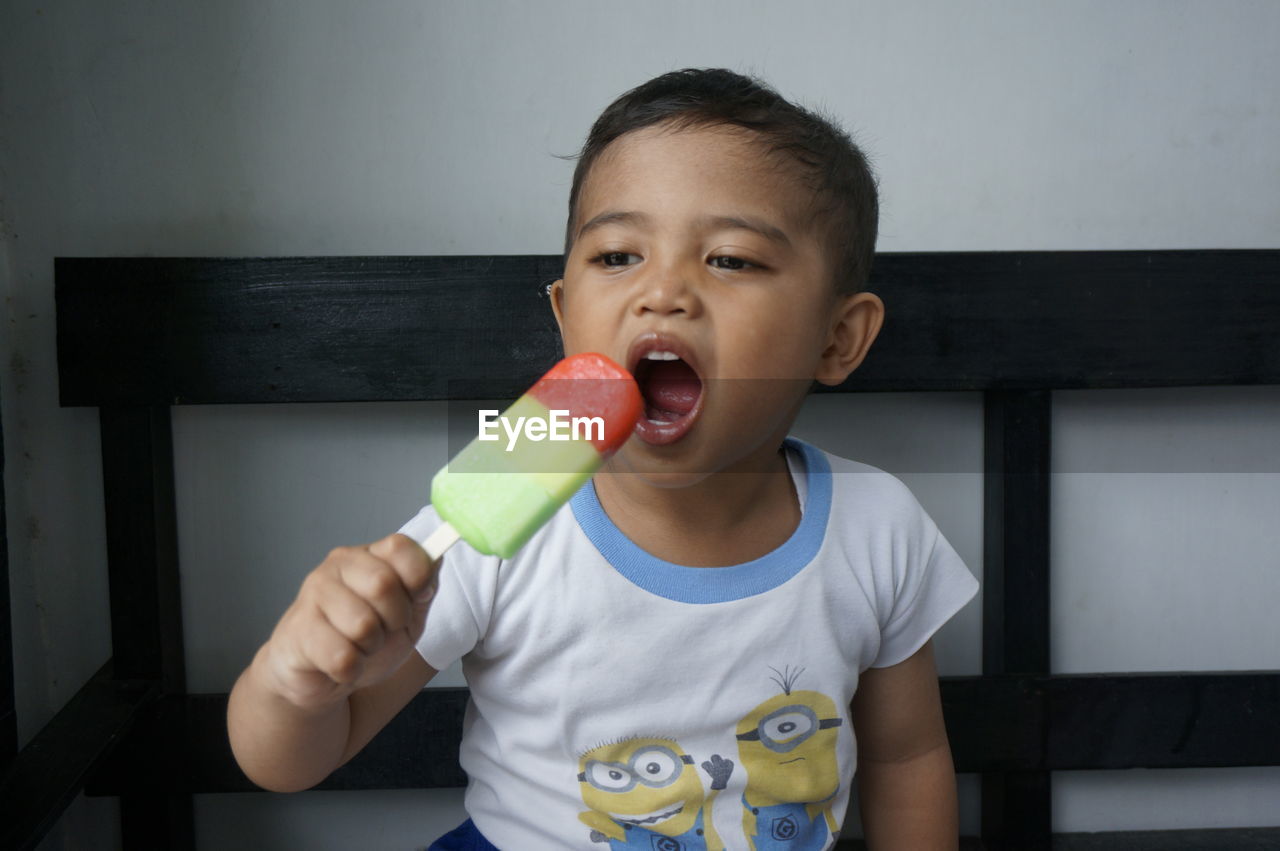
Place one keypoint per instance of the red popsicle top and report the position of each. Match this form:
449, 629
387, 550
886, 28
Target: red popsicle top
591, 385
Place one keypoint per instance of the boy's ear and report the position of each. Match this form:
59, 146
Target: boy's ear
857, 322
556, 292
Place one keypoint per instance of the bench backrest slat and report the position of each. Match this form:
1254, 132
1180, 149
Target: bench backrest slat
164, 331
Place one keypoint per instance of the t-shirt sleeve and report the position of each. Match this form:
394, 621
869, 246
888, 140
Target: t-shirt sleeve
931, 583
459, 613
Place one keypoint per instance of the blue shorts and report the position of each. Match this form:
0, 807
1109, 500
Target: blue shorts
464, 837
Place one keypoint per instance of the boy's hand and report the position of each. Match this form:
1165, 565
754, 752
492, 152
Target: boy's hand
356, 619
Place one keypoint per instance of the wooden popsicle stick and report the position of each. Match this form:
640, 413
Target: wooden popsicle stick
439, 541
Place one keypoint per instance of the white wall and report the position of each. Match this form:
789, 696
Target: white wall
296, 128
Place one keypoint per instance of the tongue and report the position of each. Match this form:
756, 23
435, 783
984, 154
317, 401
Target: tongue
672, 386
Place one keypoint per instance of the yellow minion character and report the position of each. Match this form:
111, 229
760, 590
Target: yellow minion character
787, 745
645, 793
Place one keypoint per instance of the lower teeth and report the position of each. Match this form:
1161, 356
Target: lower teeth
660, 417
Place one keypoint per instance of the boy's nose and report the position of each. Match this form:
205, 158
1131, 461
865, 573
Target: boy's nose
668, 290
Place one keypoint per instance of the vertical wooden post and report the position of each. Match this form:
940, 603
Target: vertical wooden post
8, 689
1016, 806
146, 606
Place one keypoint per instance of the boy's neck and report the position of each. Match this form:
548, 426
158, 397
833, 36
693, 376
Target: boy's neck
726, 518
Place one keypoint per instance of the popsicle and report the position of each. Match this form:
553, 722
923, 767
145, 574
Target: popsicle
498, 491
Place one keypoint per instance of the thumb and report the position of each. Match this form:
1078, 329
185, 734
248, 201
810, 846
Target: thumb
426, 593
421, 604
411, 563
418, 619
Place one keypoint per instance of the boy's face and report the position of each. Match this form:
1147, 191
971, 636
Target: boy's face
658, 269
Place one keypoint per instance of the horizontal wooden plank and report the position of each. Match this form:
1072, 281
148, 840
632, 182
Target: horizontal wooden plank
1220, 839
1163, 720
418, 749
1076, 319
307, 329
996, 723
1113, 721
967, 843
314, 329
51, 770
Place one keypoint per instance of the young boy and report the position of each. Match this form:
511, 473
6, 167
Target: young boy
699, 650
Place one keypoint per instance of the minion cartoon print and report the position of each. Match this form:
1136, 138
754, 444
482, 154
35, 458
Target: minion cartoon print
646, 793
787, 746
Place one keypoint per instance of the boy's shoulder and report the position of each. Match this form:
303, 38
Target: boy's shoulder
879, 489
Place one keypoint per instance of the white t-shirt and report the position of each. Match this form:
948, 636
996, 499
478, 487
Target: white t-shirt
622, 701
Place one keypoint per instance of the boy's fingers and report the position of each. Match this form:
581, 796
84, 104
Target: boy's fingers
332, 654
359, 619
410, 561
378, 584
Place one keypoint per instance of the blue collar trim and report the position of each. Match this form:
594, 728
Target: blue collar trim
715, 584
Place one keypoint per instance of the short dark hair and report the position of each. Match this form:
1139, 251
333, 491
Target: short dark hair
829, 161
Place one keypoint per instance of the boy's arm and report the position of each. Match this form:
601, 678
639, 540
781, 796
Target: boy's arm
906, 780
338, 666
284, 748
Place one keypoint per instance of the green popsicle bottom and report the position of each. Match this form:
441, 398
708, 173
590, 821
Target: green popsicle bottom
496, 499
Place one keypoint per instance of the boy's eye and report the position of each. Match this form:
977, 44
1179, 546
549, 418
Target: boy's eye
610, 259
735, 264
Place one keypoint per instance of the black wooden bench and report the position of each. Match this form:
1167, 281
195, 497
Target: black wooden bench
139, 335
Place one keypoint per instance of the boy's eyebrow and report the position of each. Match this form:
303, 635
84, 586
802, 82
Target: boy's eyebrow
707, 222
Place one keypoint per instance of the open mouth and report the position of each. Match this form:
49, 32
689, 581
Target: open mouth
671, 390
